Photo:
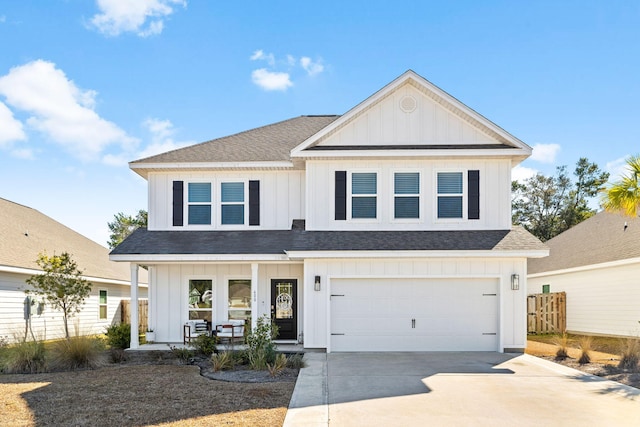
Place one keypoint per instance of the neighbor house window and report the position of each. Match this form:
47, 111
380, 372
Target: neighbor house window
102, 304
450, 195
232, 203
200, 299
406, 188
199, 210
364, 189
239, 299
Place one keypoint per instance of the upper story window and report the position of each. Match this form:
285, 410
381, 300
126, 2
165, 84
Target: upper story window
364, 190
199, 203
406, 188
450, 195
232, 203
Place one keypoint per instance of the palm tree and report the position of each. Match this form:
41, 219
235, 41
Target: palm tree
624, 195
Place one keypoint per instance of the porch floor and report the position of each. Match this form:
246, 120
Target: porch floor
284, 347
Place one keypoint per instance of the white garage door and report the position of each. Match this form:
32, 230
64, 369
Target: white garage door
414, 314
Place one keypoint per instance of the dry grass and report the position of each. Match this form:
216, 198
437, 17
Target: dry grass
137, 395
563, 347
586, 345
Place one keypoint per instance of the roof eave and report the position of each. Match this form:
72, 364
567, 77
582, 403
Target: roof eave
143, 169
518, 155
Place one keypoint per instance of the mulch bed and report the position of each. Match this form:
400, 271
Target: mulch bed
606, 371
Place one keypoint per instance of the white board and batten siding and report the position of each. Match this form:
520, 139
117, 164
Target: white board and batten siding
495, 194
49, 324
600, 300
170, 292
282, 197
424, 304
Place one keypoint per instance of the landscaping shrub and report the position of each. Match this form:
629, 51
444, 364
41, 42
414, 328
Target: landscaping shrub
26, 357
119, 336
278, 365
183, 354
563, 344
586, 345
296, 361
205, 344
117, 355
77, 352
261, 349
630, 354
222, 361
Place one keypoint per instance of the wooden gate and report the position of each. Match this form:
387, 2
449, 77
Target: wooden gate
547, 313
143, 310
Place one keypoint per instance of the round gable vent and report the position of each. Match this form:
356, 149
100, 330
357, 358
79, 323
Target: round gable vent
408, 104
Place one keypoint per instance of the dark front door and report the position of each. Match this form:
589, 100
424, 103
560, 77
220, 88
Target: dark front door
284, 310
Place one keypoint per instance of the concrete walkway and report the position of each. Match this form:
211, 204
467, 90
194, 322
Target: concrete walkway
454, 389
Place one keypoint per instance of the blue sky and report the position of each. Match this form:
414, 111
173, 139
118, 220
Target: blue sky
86, 86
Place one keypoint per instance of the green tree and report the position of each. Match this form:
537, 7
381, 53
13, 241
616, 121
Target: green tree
624, 195
123, 225
61, 285
547, 206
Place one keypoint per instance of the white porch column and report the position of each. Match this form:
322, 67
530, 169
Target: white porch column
151, 320
135, 342
254, 295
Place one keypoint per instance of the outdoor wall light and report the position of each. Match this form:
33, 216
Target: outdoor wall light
515, 282
316, 286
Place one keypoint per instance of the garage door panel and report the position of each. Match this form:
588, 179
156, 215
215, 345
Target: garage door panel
414, 315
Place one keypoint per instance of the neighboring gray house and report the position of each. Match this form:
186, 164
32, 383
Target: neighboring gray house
597, 263
24, 233
385, 229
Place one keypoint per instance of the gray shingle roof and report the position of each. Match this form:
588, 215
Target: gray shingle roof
25, 232
144, 242
273, 142
602, 238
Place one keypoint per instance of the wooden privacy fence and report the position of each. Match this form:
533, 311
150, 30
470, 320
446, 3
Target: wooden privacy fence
547, 313
143, 310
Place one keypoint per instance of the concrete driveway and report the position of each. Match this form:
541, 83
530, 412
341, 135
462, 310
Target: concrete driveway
454, 389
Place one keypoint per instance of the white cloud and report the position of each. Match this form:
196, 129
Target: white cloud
60, 110
545, 153
617, 168
143, 17
11, 130
312, 68
259, 55
521, 173
23, 153
291, 60
271, 80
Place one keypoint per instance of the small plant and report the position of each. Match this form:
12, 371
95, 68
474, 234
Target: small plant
26, 357
119, 336
630, 354
118, 355
586, 345
222, 361
261, 349
183, 354
79, 352
205, 344
278, 365
563, 345
296, 361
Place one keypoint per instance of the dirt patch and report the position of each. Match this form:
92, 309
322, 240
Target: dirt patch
150, 390
603, 365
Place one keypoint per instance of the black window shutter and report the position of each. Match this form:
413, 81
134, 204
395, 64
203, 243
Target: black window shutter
473, 178
178, 201
254, 202
341, 195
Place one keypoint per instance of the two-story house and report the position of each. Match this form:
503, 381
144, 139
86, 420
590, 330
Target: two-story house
386, 228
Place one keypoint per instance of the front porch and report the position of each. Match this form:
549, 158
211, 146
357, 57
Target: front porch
281, 347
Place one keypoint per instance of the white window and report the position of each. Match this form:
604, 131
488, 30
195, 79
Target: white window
406, 189
232, 203
199, 203
201, 299
239, 299
450, 195
364, 195
102, 304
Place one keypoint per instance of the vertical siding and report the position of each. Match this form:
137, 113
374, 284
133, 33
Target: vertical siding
603, 301
50, 325
495, 194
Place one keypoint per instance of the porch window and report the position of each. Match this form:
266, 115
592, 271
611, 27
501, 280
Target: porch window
239, 299
407, 195
199, 210
450, 194
201, 299
364, 191
232, 203
102, 305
